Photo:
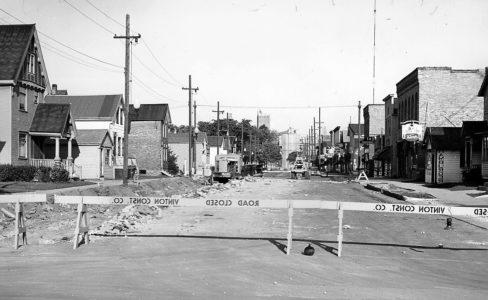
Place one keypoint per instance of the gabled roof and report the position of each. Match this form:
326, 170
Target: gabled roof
354, 128
95, 137
215, 141
99, 107
182, 138
444, 138
150, 112
50, 119
14, 43
482, 91
474, 127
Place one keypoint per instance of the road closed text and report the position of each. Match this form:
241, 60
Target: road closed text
227, 203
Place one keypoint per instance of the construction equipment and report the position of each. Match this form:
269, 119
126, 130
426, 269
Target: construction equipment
299, 169
227, 167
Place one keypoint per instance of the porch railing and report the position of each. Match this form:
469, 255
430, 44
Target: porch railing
39, 162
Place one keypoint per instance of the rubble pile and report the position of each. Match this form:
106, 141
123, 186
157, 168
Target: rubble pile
126, 221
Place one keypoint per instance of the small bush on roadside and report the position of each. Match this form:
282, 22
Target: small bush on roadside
17, 173
58, 174
43, 174
171, 165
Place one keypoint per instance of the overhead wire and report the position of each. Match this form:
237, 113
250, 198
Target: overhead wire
88, 17
105, 14
63, 44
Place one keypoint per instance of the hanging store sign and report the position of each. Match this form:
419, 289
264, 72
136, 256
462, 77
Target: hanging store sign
412, 131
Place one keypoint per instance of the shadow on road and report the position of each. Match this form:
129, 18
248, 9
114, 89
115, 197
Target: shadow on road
282, 247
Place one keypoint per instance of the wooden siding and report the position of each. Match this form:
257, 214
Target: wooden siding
448, 167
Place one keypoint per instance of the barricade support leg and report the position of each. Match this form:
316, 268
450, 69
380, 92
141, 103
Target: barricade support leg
81, 226
20, 225
340, 235
290, 227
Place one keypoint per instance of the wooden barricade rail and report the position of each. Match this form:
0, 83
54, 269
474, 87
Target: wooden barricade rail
19, 199
82, 201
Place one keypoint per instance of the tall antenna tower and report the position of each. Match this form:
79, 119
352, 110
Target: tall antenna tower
374, 49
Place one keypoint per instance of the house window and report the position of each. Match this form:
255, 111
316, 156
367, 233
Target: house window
32, 64
22, 100
119, 146
22, 145
485, 149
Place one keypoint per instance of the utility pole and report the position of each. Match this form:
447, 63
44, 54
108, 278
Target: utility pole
242, 137
320, 134
228, 127
250, 145
314, 137
359, 135
190, 128
195, 125
127, 38
218, 111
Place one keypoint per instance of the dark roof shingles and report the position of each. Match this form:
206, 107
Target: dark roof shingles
89, 107
50, 118
14, 40
148, 112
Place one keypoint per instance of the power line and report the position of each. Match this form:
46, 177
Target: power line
63, 44
88, 17
75, 59
279, 107
105, 14
159, 63
150, 89
108, 30
150, 70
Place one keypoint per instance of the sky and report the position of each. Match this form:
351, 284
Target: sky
283, 57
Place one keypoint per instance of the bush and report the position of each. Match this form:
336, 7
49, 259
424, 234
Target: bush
171, 165
43, 174
58, 174
17, 173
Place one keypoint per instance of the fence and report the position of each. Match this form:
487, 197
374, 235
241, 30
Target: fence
82, 201
19, 199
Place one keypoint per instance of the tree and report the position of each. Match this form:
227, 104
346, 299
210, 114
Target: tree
292, 156
171, 165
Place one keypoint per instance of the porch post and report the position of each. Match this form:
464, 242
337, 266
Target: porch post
70, 157
56, 157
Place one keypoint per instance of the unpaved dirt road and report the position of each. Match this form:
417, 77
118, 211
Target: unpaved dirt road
234, 253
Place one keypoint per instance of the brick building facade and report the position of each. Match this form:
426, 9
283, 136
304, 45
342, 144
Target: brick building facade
434, 97
148, 141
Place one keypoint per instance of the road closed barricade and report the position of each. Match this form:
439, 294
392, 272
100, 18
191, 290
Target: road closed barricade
83, 201
18, 200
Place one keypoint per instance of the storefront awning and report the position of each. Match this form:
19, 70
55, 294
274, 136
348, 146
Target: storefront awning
383, 155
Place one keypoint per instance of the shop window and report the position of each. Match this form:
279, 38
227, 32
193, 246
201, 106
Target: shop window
485, 149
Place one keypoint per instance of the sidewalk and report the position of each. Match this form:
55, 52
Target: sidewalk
458, 195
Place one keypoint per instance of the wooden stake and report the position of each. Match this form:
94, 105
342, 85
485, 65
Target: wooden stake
290, 227
339, 235
19, 225
81, 225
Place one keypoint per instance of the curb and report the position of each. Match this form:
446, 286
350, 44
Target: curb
385, 192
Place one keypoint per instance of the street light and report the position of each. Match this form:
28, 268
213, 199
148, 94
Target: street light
194, 153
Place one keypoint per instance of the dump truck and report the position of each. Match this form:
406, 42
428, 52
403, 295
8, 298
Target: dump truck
227, 167
299, 169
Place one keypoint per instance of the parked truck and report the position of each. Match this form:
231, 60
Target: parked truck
227, 167
300, 169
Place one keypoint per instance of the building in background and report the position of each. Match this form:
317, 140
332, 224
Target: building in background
99, 113
434, 97
353, 132
148, 137
374, 129
178, 143
263, 120
289, 142
388, 155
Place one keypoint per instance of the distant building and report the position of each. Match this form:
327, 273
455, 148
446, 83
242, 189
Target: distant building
435, 97
392, 129
353, 132
374, 129
289, 142
148, 137
264, 120
178, 143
